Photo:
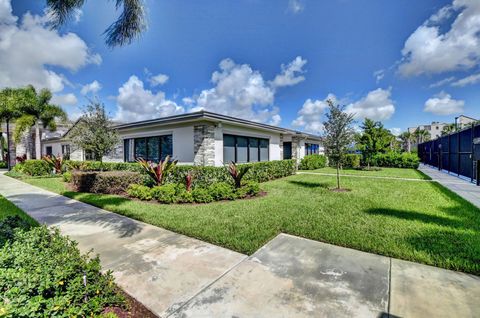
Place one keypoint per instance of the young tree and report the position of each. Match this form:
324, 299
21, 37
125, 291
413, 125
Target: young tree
373, 140
11, 101
93, 131
338, 134
129, 25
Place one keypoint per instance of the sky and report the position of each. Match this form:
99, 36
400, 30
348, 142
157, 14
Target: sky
404, 63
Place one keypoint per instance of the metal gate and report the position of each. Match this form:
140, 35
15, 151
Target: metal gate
456, 153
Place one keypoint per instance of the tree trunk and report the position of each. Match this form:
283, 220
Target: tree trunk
409, 146
38, 145
338, 176
2, 145
9, 163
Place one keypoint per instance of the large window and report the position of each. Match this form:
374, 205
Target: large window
311, 149
149, 148
244, 149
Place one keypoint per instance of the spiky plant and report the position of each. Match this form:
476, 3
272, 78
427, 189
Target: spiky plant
237, 173
55, 163
157, 171
188, 181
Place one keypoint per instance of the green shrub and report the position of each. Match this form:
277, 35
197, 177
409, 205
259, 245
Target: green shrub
222, 191
183, 196
201, 195
102, 166
165, 193
140, 192
33, 168
9, 225
67, 176
108, 182
350, 160
312, 162
396, 160
3, 165
252, 188
42, 275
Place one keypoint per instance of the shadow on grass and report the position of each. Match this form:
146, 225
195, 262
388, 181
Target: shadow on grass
307, 184
417, 216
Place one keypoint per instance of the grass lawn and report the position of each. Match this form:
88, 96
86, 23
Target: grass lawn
7, 208
385, 172
417, 221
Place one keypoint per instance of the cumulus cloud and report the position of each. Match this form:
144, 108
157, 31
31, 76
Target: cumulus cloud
28, 48
65, 99
296, 6
396, 131
291, 73
311, 114
376, 105
443, 104
429, 51
469, 80
242, 92
159, 79
135, 103
92, 87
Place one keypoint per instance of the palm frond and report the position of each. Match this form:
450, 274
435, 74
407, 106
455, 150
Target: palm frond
129, 25
61, 11
22, 124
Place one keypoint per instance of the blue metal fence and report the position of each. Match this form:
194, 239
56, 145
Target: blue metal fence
454, 153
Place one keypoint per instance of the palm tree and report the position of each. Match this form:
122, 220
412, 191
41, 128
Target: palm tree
129, 25
36, 109
421, 135
11, 101
407, 138
448, 129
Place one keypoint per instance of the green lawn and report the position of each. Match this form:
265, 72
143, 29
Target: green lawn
7, 208
385, 172
417, 221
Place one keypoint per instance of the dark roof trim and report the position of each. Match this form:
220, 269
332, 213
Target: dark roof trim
210, 116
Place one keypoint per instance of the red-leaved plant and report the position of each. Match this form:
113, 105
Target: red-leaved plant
21, 159
55, 163
237, 173
157, 171
188, 181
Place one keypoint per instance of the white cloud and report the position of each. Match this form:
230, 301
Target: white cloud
92, 87
428, 51
28, 47
296, 6
443, 104
65, 99
379, 75
469, 80
442, 82
240, 91
396, 131
290, 74
311, 114
159, 79
135, 103
377, 105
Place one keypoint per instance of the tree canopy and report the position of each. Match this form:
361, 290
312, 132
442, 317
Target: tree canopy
374, 139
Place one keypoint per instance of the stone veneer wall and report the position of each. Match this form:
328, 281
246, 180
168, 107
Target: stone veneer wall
281, 146
295, 147
204, 145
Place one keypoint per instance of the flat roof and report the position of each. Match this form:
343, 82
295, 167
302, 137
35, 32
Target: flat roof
206, 115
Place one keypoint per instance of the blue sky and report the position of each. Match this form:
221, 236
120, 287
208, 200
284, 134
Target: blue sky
401, 62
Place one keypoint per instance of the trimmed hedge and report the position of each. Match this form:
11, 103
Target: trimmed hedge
33, 168
108, 182
396, 160
204, 176
350, 160
42, 275
312, 162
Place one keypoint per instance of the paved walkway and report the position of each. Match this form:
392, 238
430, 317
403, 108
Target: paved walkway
463, 188
177, 276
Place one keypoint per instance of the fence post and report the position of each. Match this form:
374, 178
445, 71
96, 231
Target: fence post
458, 154
471, 154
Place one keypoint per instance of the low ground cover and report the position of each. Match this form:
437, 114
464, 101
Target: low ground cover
412, 220
383, 172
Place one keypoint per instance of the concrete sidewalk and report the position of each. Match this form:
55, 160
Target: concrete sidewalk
463, 188
177, 276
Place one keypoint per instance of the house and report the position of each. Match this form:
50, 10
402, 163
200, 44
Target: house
199, 138
463, 121
434, 129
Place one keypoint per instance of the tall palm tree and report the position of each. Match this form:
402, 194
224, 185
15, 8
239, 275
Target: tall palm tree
129, 25
11, 101
36, 109
407, 138
422, 135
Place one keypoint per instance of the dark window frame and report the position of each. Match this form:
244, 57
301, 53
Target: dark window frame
312, 149
248, 147
161, 139
49, 153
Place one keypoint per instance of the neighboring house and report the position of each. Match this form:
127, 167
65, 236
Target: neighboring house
200, 138
435, 129
464, 121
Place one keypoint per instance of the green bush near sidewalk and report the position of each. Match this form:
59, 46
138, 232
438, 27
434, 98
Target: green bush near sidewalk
33, 168
396, 160
312, 162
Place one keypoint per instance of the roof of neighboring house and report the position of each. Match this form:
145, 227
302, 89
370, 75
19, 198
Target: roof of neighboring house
467, 117
209, 116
